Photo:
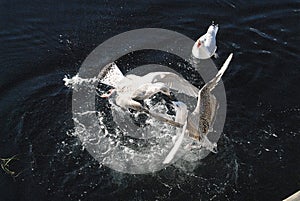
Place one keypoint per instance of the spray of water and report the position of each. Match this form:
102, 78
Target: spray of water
133, 140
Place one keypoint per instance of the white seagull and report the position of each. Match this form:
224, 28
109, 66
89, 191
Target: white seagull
199, 122
129, 89
205, 47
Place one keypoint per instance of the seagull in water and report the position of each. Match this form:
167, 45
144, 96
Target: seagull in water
128, 96
205, 47
205, 111
131, 88
200, 121
127, 88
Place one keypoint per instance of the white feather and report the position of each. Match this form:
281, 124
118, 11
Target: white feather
111, 75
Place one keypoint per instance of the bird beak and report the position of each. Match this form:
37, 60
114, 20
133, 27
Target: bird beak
198, 44
108, 93
213, 24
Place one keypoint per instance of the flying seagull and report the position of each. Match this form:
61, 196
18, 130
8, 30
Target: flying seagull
201, 120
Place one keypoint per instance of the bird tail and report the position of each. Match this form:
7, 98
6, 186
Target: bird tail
111, 75
213, 83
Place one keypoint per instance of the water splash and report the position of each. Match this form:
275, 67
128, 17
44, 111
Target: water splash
133, 141
75, 81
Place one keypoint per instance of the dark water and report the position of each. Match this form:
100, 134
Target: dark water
258, 157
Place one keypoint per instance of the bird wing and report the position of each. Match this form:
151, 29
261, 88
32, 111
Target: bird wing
111, 75
204, 94
147, 90
173, 81
142, 92
214, 106
210, 44
181, 117
214, 82
176, 146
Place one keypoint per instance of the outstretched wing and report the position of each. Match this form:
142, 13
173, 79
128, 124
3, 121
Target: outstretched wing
111, 75
174, 81
214, 82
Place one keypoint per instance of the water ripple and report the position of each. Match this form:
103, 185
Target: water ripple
262, 34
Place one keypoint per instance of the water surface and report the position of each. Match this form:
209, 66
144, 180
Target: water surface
258, 157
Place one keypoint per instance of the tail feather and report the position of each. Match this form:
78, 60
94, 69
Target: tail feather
111, 75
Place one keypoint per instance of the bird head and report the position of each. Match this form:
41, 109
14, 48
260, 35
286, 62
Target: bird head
200, 42
205, 46
108, 93
213, 29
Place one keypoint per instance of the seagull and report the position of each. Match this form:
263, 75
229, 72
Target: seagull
205, 47
200, 121
202, 118
128, 96
131, 89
